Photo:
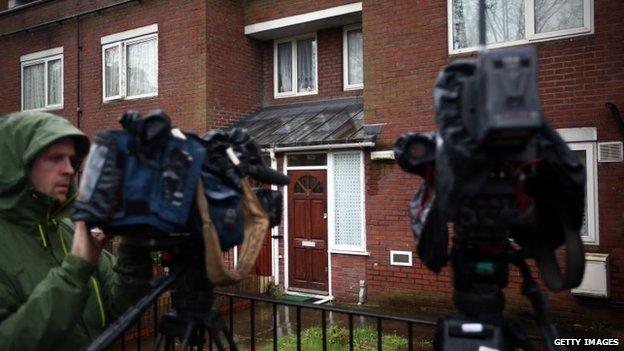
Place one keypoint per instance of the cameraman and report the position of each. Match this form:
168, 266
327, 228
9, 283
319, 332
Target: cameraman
57, 291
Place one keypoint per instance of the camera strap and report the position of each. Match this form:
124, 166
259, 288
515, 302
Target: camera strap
574, 262
256, 225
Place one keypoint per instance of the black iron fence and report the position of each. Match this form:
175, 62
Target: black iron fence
237, 304
379, 318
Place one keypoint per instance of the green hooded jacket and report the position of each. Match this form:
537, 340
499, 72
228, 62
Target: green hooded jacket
49, 298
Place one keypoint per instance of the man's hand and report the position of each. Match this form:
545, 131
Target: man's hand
87, 246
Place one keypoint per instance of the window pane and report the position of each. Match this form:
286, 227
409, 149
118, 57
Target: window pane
348, 199
54, 82
111, 71
307, 160
553, 15
582, 155
504, 22
306, 65
284, 67
142, 68
33, 86
355, 62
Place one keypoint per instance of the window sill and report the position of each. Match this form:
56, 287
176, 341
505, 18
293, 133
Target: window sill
353, 87
135, 97
474, 49
49, 108
295, 95
345, 252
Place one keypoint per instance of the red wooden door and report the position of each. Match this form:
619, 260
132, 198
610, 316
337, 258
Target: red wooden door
307, 233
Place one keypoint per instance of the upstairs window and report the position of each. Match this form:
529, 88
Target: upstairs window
42, 80
295, 68
352, 57
130, 64
513, 22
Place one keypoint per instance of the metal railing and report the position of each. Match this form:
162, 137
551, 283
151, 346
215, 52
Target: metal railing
324, 309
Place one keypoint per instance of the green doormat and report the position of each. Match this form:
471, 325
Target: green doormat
298, 298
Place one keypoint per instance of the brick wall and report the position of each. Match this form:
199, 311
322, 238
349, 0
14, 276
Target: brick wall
401, 61
208, 72
265, 10
346, 273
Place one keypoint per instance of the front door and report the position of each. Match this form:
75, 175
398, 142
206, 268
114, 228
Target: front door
307, 234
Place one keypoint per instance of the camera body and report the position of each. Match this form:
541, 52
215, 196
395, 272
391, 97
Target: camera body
142, 181
500, 103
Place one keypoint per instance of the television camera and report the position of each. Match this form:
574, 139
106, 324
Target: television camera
510, 187
168, 190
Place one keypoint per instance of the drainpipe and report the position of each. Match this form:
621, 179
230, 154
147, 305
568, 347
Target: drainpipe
78, 55
274, 230
362, 294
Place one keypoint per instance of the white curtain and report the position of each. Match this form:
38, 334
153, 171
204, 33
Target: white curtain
33, 86
142, 68
111, 71
54, 82
355, 55
306, 65
284, 67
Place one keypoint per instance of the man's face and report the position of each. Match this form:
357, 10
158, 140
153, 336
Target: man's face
52, 171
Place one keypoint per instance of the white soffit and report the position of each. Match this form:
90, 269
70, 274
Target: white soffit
571, 135
306, 22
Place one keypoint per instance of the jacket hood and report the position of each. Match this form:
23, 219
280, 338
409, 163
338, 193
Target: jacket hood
23, 135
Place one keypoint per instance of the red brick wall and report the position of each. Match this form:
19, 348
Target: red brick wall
346, 273
405, 46
208, 70
265, 10
330, 75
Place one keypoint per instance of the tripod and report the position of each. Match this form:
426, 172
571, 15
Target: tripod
478, 277
192, 314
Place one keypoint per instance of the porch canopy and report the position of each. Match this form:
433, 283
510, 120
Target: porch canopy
324, 124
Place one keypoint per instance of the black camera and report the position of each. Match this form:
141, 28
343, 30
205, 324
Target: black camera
509, 185
142, 181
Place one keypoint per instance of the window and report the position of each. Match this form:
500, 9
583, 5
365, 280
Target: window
587, 154
513, 22
294, 67
130, 64
42, 80
352, 57
346, 202
16, 3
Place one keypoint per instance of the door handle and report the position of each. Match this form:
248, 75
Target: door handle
325, 215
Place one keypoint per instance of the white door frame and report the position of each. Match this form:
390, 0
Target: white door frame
286, 168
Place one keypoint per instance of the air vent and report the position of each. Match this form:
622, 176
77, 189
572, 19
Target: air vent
401, 258
610, 151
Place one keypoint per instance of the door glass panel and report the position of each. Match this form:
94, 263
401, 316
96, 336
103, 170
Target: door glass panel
298, 160
307, 185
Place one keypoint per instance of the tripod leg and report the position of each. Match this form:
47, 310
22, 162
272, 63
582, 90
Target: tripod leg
187, 335
230, 338
159, 339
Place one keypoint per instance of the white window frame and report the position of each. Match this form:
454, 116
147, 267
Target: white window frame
591, 169
293, 45
44, 57
122, 40
345, 58
529, 22
331, 208
406, 264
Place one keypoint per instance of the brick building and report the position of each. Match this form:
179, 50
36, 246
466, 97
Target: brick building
326, 87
